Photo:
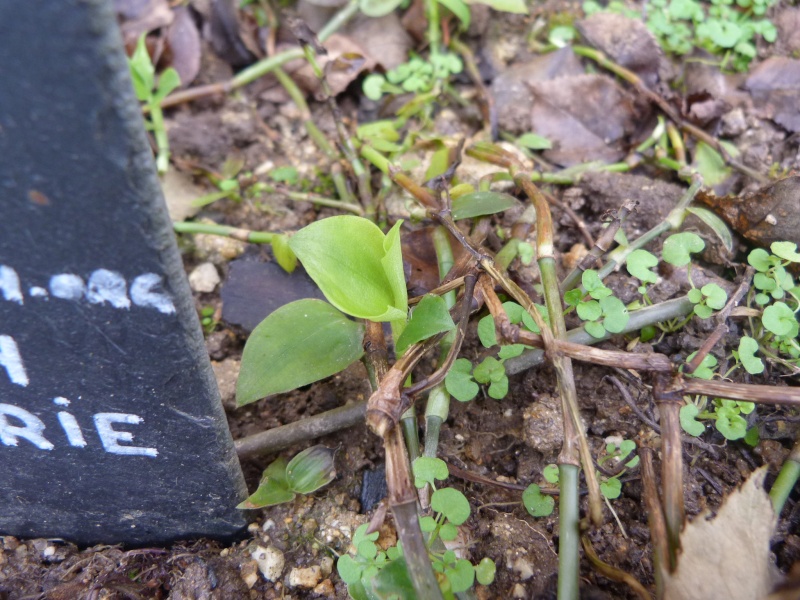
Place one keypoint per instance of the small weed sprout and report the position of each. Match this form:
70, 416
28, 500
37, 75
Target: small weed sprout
151, 94
281, 481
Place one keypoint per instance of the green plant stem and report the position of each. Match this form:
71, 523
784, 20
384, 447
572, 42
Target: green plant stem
245, 235
299, 100
787, 479
434, 27
160, 134
576, 447
568, 532
318, 200
657, 313
438, 405
673, 221
340, 183
408, 421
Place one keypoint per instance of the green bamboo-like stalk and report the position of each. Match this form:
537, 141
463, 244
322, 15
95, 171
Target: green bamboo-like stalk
245, 235
787, 479
568, 533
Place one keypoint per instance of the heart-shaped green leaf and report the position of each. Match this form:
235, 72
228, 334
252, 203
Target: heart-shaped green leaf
536, 503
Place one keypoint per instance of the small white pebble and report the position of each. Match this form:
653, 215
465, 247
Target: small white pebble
49, 551
326, 564
519, 591
270, 562
508, 412
307, 577
268, 524
459, 437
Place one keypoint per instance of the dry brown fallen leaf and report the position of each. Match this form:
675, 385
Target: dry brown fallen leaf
728, 556
586, 117
770, 214
774, 85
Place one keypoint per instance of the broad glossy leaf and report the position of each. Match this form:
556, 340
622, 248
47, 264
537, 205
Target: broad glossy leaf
478, 204
357, 267
301, 342
283, 253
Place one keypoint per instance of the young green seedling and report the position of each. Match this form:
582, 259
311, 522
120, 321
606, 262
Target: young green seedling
151, 94
307, 472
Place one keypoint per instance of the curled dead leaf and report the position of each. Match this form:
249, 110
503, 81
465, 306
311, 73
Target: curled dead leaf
770, 214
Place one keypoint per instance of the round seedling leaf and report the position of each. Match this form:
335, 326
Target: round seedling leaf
373, 86
461, 577
689, 422
703, 311
349, 570
486, 332
594, 285
499, 389
779, 319
459, 382
730, 424
550, 473
678, 248
759, 259
786, 251
747, 355
427, 470
485, 571
490, 369
716, 297
589, 311
448, 532
300, 343
695, 296
706, 368
310, 470
536, 503
615, 314
595, 329
639, 264
357, 267
452, 504
611, 488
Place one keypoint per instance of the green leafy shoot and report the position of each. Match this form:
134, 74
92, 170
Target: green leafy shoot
639, 263
478, 204
492, 372
357, 267
706, 368
151, 94
310, 470
689, 422
550, 474
532, 141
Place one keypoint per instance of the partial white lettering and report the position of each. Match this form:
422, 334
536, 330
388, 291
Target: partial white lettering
31, 430
9, 285
143, 293
67, 286
70, 425
12, 361
111, 438
108, 286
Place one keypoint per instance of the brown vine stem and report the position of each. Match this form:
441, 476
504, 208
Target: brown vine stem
601, 59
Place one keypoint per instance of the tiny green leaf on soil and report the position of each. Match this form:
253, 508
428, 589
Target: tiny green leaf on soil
689, 422
678, 248
452, 504
427, 470
639, 264
300, 343
459, 382
536, 503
